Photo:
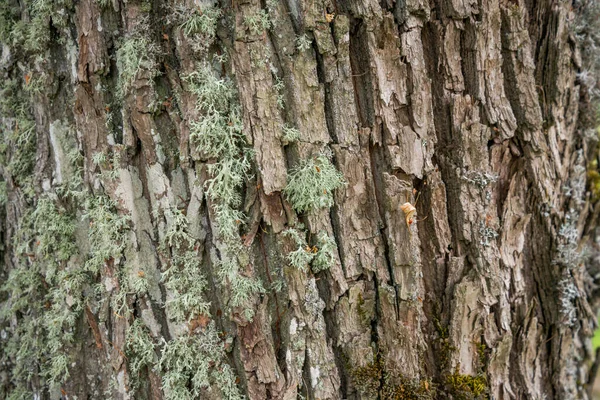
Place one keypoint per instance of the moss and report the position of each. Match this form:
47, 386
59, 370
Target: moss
482, 353
445, 348
374, 382
367, 379
311, 184
593, 171
466, 387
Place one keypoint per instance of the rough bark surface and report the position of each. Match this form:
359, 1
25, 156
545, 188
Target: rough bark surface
153, 248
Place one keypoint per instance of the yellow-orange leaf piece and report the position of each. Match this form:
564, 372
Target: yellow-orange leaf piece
409, 211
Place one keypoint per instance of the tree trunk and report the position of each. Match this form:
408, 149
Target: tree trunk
315, 199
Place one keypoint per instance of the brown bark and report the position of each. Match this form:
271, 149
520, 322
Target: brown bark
117, 260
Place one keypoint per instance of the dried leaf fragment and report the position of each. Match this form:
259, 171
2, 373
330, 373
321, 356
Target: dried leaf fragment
409, 211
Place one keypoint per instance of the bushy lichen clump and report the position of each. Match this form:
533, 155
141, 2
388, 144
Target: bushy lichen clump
140, 350
219, 137
290, 135
258, 22
321, 256
135, 54
202, 22
183, 277
18, 140
311, 184
46, 292
192, 364
106, 234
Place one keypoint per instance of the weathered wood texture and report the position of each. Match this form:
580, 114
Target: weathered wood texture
129, 271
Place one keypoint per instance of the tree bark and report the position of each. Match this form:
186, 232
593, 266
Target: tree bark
297, 199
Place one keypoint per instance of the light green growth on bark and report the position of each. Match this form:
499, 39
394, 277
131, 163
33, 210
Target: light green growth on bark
55, 230
311, 184
487, 234
3, 194
219, 136
103, 3
202, 22
321, 256
184, 277
140, 350
35, 35
46, 291
325, 255
213, 94
480, 179
290, 135
18, 140
177, 235
258, 22
193, 364
303, 255
107, 231
135, 54
278, 85
303, 42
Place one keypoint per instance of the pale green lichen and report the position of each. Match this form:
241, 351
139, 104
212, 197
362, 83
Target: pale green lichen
135, 54
326, 251
303, 42
194, 364
311, 184
257, 22
183, 277
107, 232
219, 136
46, 292
202, 22
289, 135
321, 256
139, 349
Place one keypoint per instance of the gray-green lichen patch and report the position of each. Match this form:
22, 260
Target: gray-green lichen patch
311, 184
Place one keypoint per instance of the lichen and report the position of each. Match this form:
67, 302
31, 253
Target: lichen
303, 42
140, 351
194, 363
321, 256
257, 22
135, 54
311, 184
289, 135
